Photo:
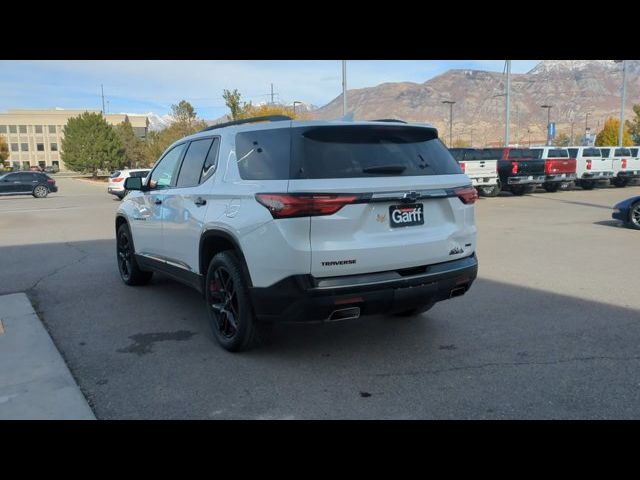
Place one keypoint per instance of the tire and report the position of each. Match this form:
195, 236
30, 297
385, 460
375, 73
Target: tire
552, 187
415, 311
130, 272
634, 216
519, 190
619, 182
231, 314
587, 184
565, 186
492, 191
40, 191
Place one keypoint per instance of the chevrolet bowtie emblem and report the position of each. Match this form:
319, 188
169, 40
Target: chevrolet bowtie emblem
381, 217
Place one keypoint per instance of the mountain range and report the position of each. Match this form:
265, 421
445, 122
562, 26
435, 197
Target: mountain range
574, 88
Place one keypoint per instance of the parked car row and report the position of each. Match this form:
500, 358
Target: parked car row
522, 170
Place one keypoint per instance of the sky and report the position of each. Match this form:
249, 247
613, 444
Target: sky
143, 86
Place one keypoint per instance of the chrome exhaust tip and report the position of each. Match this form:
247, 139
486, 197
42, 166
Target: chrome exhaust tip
457, 292
344, 314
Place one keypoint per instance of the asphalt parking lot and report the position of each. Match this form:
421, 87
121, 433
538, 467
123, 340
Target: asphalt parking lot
551, 328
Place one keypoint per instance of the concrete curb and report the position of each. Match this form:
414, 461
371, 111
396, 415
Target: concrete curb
35, 383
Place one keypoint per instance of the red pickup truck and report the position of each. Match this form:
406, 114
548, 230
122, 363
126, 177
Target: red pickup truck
559, 167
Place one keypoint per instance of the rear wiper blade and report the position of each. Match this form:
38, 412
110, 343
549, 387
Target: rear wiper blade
385, 169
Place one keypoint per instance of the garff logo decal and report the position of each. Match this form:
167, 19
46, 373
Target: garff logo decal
407, 215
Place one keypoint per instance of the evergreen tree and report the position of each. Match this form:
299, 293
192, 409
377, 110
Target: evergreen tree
134, 148
4, 150
91, 144
608, 136
634, 125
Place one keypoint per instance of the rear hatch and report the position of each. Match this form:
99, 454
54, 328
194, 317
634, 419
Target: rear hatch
401, 190
480, 163
529, 162
558, 162
604, 163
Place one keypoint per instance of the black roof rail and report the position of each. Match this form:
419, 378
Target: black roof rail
266, 118
394, 120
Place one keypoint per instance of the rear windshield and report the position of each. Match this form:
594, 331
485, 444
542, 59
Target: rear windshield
605, 152
342, 152
558, 153
524, 153
369, 151
458, 153
634, 152
483, 154
591, 152
622, 152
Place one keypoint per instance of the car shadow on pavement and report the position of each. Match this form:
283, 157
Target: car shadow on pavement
501, 351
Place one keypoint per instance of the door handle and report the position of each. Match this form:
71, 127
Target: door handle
157, 201
200, 201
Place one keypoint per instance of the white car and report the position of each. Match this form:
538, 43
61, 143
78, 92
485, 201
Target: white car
591, 166
303, 221
117, 179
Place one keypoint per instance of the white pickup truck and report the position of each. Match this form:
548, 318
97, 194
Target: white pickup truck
481, 166
591, 167
626, 167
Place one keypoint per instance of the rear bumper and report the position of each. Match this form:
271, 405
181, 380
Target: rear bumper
561, 177
620, 214
597, 175
526, 180
484, 181
629, 174
53, 188
115, 191
303, 298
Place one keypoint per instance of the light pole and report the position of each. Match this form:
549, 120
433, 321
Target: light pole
507, 105
344, 87
450, 103
294, 106
548, 107
624, 94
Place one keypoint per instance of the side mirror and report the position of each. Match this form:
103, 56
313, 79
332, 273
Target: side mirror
134, 183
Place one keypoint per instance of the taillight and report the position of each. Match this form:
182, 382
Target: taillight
588, 164
624, 163
117, 179
462, 166
468, 195
303, 205
547, 167
514, 168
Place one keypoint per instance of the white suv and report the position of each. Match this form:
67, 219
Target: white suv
303, 221
115, 185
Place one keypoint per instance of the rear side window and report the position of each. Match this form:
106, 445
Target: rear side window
369, 151
525, 153
558, 153
591, 152
264, 154
193, 161
622, 152
459, 154
115, 174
